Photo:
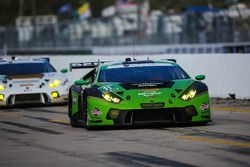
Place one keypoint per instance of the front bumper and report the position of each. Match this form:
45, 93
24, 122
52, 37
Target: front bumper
134, 114
34, 98
152, 116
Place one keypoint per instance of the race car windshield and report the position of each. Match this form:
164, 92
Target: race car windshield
25, 68
142, 74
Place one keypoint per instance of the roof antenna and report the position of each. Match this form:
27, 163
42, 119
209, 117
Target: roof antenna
5, 50
98, 62
134, 58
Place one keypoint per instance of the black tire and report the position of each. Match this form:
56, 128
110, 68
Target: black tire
82, 112
74, 121
73, 118
70, 104
202, 123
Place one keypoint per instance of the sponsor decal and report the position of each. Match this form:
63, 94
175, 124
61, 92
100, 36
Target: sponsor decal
25, 81
138, 65
96, 112
204, 107
144, 89
74, 99
27, 90
149, 93
26, 85
147, 85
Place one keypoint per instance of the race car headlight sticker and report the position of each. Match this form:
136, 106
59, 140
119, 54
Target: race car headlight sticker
1, 97
55, 83
2, 88
188, 95
194, 90
111, 98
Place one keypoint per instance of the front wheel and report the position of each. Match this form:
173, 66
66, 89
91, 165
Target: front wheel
74, 121
73, 118
201, 123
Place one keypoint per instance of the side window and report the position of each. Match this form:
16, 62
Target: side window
90, 76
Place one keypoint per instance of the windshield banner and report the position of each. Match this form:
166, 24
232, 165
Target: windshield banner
146, 85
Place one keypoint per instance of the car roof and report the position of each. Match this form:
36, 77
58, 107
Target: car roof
137, 63
21, 61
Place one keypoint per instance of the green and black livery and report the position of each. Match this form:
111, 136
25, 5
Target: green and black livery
137, 93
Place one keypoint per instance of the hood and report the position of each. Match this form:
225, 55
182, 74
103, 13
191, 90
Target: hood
44, 78
29, 76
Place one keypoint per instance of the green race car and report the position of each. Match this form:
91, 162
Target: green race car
134, 92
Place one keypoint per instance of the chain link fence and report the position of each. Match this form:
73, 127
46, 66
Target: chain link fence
187, 28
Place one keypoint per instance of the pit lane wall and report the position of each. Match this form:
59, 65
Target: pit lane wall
225, 73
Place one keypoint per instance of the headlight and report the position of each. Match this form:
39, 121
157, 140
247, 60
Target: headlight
1, 97
188, 95
2, 88
111, 98
194, 90
55, 83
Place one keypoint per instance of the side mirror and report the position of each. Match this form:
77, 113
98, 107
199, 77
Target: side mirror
200, 77
80, 82
64, 70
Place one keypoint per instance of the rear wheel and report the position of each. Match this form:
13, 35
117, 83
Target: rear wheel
204, 123
74, 121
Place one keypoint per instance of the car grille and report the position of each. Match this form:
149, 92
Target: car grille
163, 115
152, 105
156, 115
27, 98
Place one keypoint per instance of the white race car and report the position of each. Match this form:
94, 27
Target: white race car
31, 81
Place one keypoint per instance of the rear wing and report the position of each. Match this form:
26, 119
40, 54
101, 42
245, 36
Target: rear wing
173, 60
85, 65
47, 59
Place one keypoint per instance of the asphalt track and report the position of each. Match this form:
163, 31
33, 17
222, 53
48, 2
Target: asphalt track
42, 136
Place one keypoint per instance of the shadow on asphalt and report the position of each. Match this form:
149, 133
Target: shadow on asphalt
139, 159
24, 106
151, 126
